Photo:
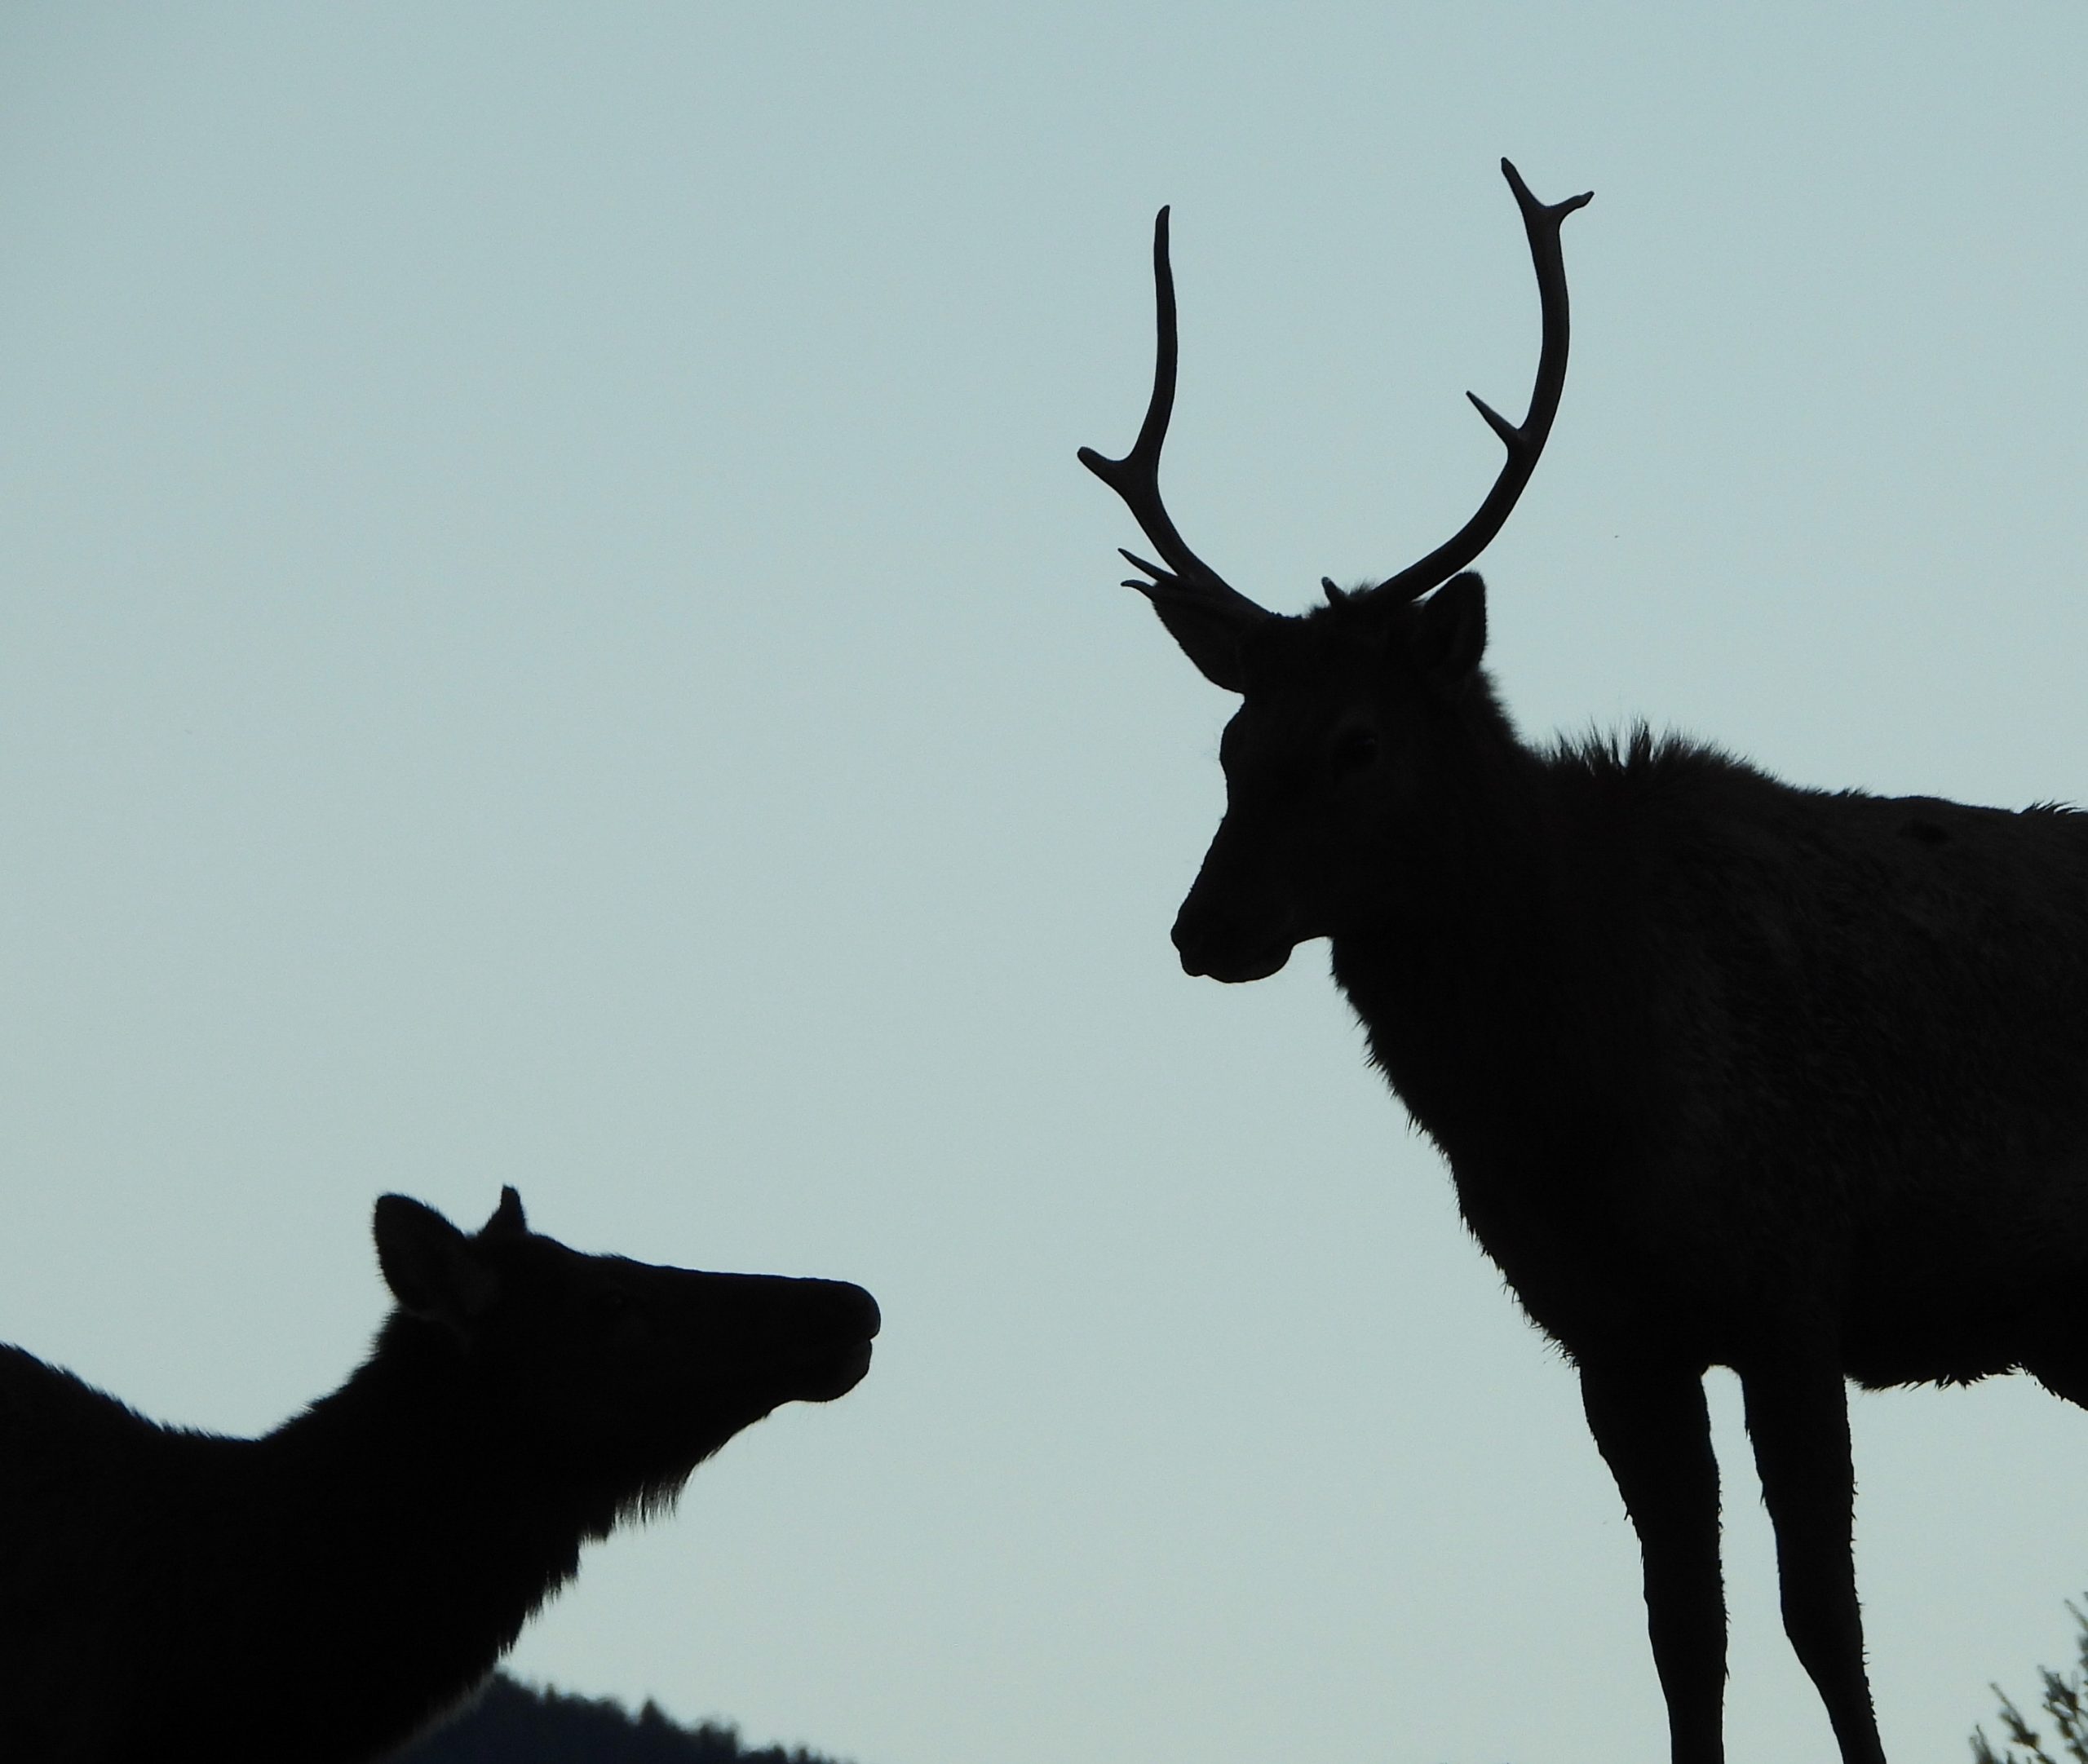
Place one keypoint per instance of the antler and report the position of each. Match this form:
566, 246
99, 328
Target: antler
1526, 442
1188, 594
1187, 583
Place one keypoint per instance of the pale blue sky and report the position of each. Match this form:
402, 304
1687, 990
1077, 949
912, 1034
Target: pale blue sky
552, 634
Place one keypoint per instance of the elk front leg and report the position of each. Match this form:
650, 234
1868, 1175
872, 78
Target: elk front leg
1653, 1428
1797, 1418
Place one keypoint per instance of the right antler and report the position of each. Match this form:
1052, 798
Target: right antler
1541, 221
1188, 582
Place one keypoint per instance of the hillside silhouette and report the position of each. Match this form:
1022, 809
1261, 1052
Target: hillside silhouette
515, 1723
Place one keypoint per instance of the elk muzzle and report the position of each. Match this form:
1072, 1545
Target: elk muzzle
840, 1321
1229, 932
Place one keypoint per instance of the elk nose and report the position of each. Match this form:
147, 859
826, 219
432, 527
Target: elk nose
1226, 948
1185, 934
852, 1309
872, 1320
1197, 931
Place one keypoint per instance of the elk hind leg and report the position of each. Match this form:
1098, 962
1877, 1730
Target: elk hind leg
1798, 1418
1650, 1423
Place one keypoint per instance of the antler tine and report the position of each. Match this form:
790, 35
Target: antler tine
1135, 478
1525, 442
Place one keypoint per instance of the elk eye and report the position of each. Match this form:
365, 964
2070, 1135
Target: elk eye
1354, 750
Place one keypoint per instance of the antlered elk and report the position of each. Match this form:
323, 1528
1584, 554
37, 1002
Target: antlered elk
324, 1591
1727, 1072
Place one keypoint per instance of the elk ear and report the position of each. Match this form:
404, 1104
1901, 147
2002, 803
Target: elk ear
433, 1268
1210, 636
1453, 633
507, 1217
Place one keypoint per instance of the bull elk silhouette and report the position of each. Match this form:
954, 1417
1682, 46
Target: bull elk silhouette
1727, 1072
324, 1591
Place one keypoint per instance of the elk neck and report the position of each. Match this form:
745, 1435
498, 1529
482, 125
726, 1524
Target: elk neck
408, 1489
1471, 968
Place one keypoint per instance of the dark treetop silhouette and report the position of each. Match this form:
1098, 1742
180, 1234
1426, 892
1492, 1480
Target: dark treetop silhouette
322, 1593
1727, 1072
513, 1723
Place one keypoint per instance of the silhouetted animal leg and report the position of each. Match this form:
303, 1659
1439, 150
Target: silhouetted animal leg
1651, 1425
1797, 1418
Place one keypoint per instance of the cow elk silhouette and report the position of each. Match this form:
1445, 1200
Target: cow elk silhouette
324, 1591
1727, 1072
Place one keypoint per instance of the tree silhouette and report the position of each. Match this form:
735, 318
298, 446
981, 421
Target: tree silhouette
515, 1723
2062, 1702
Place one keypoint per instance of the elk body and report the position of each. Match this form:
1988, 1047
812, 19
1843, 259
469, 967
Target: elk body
324, 1591
1727, 1072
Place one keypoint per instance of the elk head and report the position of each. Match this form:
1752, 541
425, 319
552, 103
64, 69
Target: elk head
615, 1377
1351, 715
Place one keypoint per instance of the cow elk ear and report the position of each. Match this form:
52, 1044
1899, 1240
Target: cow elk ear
433, 1268
508, 1217
1453, 633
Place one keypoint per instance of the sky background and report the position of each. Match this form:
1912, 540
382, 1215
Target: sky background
552, 634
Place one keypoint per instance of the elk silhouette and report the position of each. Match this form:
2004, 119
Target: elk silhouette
325, 1591
1727, 1072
